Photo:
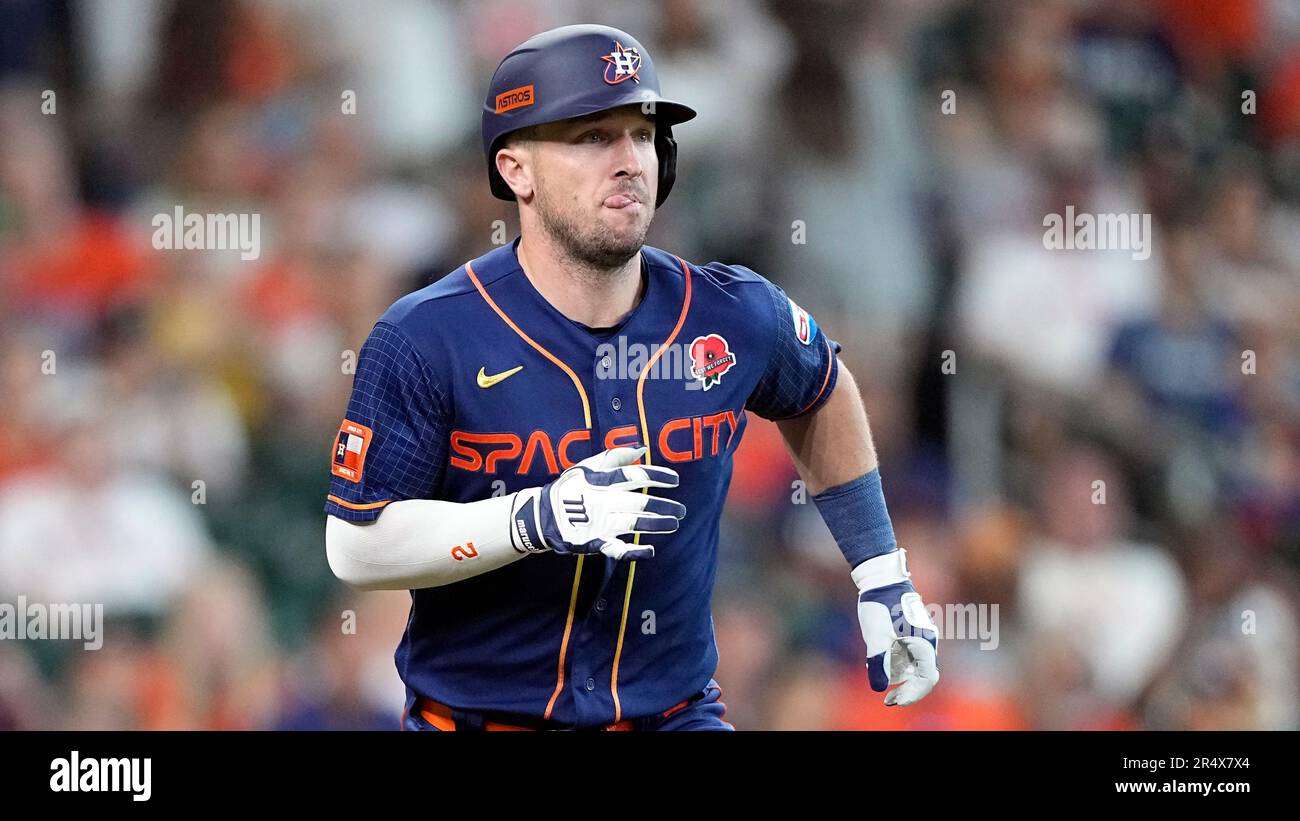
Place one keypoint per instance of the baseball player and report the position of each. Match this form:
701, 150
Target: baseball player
538, 445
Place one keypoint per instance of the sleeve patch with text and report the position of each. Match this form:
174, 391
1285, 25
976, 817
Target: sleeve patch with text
805, 328
350, 451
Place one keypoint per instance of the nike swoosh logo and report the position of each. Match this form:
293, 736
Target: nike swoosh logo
485, 381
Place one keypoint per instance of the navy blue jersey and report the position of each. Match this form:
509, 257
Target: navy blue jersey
476, 386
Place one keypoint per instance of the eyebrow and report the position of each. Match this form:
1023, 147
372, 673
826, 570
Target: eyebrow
589, 119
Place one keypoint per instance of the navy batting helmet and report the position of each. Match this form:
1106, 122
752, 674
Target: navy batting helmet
573, 71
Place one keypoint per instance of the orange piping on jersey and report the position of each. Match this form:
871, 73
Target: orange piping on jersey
353, 506
577, 383
825, 379
564, 642
622, 626
645, 433
586, 416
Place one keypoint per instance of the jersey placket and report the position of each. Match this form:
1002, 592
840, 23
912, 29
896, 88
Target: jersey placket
596, 636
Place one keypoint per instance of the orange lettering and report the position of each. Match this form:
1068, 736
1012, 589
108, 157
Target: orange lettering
670, 454
465, 458
731, 419
513, 446
538, 439
715, 421
568, 439
473, 461
514, 98
614, 434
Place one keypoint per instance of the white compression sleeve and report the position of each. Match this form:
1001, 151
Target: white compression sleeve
423, 543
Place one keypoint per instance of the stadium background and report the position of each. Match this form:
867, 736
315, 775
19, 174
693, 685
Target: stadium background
1171, 605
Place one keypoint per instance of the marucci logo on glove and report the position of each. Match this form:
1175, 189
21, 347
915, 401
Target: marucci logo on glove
576, 511
526, 530
590, 506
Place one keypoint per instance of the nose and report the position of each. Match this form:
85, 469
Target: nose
628, 162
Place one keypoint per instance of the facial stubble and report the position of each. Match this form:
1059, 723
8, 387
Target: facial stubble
592, 245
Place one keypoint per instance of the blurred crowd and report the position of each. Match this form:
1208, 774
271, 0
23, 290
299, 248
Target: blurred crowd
1093, 456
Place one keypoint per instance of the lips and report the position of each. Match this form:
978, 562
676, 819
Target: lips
621, 200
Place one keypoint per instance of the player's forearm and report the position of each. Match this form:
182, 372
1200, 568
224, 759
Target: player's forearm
833, 445
422, 543
832, 450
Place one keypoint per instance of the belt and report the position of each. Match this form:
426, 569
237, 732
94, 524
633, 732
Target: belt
451, 719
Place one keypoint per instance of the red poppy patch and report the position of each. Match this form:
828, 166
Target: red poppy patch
710, 359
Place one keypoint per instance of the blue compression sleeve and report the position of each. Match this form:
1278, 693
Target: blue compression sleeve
856, 515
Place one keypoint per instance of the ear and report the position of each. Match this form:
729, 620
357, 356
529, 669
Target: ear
514, 164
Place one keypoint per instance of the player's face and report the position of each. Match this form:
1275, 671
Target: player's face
596, 180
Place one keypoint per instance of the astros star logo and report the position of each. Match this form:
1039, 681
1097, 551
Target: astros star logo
624, 62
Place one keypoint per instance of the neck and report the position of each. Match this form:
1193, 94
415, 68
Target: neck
597, 297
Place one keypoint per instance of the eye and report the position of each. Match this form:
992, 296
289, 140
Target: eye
591, 137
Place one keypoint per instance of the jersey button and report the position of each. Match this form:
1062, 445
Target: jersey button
600, 605
604, 363
591, 684
616, 403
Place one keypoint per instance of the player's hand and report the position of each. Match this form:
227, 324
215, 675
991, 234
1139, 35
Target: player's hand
587, 508
902, 641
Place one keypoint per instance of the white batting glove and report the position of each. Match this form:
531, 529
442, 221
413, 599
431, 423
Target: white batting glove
902, 641
589, 506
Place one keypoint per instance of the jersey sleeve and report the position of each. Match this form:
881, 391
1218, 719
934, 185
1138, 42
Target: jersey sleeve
392, 445
803, 367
